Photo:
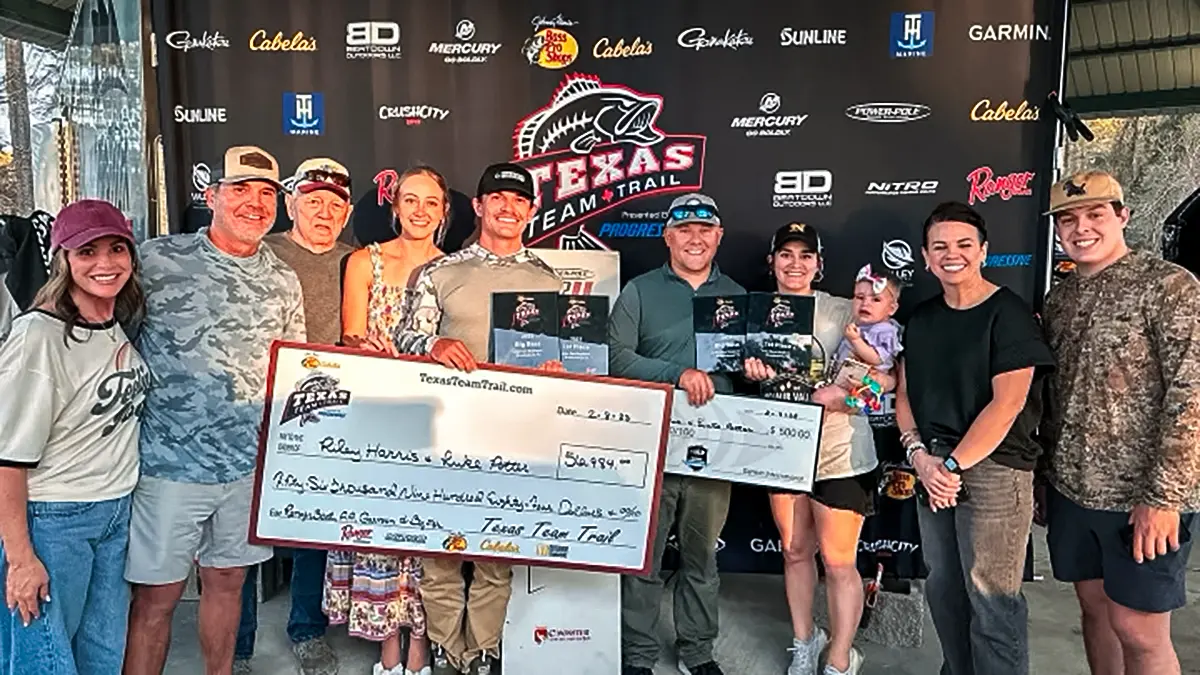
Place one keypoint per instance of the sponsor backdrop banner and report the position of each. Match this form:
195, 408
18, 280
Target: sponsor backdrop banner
855, 121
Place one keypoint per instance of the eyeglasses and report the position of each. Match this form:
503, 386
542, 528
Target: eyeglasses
683, 212
326, 176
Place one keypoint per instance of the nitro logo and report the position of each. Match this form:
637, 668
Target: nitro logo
984, 185
525, 313
313, 393
780, 313
724, 315
576, 315
597, 146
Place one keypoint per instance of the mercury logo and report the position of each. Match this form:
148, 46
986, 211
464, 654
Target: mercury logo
465, 50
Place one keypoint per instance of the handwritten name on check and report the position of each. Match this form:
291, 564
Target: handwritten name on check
746, 440
403, 455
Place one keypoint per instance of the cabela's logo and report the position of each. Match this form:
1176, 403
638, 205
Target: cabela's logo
577, 313
315, 392
597, 145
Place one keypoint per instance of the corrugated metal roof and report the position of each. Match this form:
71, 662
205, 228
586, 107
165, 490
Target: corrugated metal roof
1133, 56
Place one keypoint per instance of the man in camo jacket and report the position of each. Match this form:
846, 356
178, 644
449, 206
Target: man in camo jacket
215, 301
1123, 428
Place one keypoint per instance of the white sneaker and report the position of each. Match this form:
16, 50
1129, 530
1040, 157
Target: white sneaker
856, 661
427, 670
398, 670
806, 655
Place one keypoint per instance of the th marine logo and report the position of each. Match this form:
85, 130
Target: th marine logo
576, 315
595, 146
525, 313
317, 391
780, 313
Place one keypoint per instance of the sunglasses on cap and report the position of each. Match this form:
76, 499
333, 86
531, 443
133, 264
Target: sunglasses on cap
326, 176
683, 212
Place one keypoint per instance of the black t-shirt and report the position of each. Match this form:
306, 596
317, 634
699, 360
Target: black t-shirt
951, 356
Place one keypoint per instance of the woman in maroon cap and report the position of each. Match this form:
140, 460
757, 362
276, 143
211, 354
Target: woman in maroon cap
73, 387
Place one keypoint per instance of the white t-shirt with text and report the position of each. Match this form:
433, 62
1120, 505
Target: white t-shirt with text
70, 410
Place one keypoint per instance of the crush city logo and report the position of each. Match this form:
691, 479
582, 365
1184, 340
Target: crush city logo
597, 146
985, 184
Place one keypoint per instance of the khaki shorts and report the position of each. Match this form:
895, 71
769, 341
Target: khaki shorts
175, 524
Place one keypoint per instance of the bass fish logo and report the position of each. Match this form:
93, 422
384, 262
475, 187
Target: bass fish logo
598, 145
725, 314
315, 392
576, 315
455, 543
780, 313
525, 313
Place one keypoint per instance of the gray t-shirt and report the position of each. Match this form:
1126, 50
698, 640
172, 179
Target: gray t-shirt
210, 320
321, 279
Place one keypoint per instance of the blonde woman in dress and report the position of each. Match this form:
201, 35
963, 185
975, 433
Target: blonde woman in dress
379, 596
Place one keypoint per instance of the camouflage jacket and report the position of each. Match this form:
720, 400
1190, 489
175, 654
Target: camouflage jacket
1123, 416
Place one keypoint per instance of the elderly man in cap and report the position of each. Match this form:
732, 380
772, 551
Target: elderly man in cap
650, 338
319, 204
215, 301
451, 323
1122, 470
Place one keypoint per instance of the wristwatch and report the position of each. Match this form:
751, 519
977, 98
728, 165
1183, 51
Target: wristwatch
952, 466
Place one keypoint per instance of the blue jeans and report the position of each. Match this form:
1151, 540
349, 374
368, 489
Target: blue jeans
306, 620
81, 631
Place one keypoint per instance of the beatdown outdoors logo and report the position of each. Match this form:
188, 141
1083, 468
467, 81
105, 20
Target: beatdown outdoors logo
595, 146
314, 392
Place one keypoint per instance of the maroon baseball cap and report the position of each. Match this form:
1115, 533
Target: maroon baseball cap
87, 220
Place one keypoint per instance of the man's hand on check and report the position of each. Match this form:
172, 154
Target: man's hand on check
698, 385
452, 354
553, 367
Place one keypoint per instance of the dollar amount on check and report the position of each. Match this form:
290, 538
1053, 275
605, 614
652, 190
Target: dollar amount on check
403, 455
746, 440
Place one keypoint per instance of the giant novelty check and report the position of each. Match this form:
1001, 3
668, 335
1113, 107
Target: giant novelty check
746, 440
376, 453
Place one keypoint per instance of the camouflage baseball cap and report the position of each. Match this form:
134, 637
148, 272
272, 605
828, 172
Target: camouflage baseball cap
1083, 188
247, 162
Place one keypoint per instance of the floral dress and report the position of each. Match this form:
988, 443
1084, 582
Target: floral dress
376, 594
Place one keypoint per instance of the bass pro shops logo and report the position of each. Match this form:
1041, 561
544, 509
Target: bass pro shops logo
594, 147
315, 392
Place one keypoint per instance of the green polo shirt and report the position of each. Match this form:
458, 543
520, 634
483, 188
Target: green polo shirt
650, 332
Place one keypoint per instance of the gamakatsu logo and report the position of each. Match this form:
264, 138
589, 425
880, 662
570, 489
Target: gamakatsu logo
594, 147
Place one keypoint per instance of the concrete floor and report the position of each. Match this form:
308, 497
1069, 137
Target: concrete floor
754, 633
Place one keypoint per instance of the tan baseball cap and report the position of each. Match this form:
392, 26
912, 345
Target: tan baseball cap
1085, 187
248, 162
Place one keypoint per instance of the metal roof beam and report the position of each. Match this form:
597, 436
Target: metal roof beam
35, 22
1138, 47
1139, 103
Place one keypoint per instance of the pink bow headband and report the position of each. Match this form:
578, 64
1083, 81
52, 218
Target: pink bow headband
878, 283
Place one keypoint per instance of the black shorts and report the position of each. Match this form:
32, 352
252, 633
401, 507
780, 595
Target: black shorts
853, 493
1087, 544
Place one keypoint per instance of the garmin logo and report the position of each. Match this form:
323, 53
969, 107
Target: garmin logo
888, 113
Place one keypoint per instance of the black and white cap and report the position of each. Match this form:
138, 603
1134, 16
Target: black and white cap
506, 177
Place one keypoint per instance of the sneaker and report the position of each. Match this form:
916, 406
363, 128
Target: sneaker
315, 656
484, 664
440, 662
242, 667
636, 670
806, 654
856, 661
706, 668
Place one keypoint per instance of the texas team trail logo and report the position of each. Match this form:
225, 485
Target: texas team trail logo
315, 392
576, 315
596, 146
780, 313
